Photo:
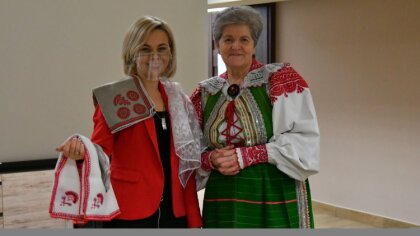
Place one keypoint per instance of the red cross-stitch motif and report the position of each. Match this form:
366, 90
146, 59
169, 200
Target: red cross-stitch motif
254, 155
205, 161
196, 101
286, 81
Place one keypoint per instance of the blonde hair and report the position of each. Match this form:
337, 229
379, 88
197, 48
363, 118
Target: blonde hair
137, 36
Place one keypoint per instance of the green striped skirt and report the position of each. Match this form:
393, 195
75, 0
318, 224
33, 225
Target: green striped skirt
259, 196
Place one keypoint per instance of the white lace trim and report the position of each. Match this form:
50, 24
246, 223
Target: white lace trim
186, 131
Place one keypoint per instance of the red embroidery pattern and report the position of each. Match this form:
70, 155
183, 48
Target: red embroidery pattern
132, 95
196, 101
120, 100
69, 198
254, 155
284, 81
139, 109
98, 201
205, 161
123, 112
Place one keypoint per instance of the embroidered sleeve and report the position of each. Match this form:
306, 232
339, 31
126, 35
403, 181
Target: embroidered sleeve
294, 146
286, 81
248, 156
205, 161
196, 101
203, 173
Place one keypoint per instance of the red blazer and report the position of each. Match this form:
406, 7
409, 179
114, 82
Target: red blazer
136, 171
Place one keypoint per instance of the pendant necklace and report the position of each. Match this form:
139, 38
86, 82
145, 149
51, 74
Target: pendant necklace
163, 120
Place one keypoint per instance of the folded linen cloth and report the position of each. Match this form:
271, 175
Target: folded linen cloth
85, 195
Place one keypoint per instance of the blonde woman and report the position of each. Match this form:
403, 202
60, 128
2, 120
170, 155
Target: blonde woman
143, 124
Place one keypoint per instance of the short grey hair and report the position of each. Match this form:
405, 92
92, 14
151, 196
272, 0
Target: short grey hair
240, 15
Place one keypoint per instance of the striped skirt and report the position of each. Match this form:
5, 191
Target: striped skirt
259, 196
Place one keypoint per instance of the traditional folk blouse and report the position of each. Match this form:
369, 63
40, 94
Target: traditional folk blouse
274, 90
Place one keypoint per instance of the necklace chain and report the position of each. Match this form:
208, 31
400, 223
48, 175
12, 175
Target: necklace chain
162, 119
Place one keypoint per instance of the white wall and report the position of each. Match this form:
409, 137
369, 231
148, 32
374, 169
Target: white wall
53, 52
361, 60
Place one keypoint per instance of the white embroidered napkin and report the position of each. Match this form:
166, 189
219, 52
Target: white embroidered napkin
86, 195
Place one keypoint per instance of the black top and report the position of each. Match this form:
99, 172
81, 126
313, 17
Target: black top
164, 216
164, 143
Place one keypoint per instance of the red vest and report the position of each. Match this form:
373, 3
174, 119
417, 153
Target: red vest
136, 171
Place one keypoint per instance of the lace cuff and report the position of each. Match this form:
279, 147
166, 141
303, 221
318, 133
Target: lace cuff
248, 156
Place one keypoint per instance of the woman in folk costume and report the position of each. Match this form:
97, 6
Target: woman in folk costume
260, 127
149, 129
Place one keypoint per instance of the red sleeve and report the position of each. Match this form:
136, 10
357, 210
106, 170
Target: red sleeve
191, 204
101, 134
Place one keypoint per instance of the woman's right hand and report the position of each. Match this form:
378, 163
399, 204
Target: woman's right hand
225, 160
72, 148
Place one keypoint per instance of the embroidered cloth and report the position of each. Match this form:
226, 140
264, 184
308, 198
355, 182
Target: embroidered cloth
87, 195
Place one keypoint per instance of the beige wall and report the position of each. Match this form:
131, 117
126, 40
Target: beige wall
362, 62
52, 53
229, 3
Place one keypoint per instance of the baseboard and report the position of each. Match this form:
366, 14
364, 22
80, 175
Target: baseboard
25, 166
363, 217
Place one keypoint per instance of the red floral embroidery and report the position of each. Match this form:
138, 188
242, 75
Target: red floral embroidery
69, 198
254, 155
98, 201
196, 101
205, 161
139, 109
285, 81
123, 112
132, 95
120, 100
